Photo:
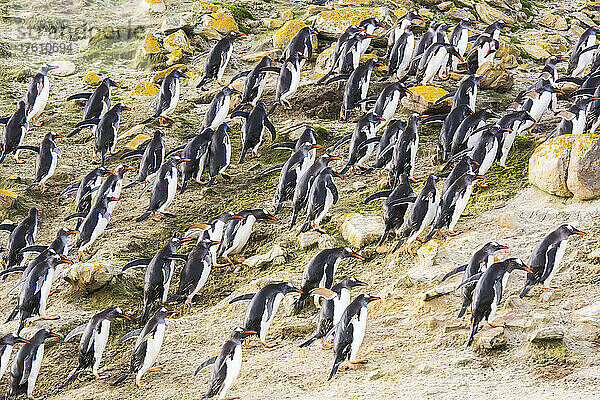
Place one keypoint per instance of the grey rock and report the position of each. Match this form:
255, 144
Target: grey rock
360, 230
549, 333
88, 277
308, 239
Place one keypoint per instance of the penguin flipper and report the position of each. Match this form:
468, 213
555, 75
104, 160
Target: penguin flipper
183, 257
570, 79
35, 149
271, 128
310, 341
340, 142
32, 249
4, 120
272, 168
79, 96
205, 364
434, 118
367, 99
76, 215
444, 98
8, 227
408, 199
240, 75
247, 296
148, 186
472, 280
121, 378
88, 122
284, 145
367, 142
72, 186
77, 331
136, 263
270, 69
377, 195
455, 271
498, 289
27, 363
130, 335
132, 153
11, 270
338, 78
241, 114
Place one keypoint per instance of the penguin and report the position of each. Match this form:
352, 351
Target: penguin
59, 244
546, 257
94, 337
13, 133
401, 54
460, 38
369, 25
219, 153
453, 203
34, 292
263, 307
333, 307
112, 186
441, 33
158, 275
385, 145
196, 151
387, 101
291, 173
488, 291
147, 346
238, 230
320, 271
254, 83
357, 87
401, 26
574, 119
350, 56
300, 43
305, 182
98, 102
7, 343
164, 187
363, 131
465, 165
493, 30
21, 235
350, 332
255, 123
195, 272
288, 80
582, 54
487, 148
322, 195
509, 132
339, 51
535, 103
87, 188
219, 108
467, 128
105, 131
168, 96
47, 159
481, 260
27, 364
38, 93
421, 213
213, 229
309, 135
226, 365
482, 50
152, 158
404, 153
428, 38
549, 71
218, 58
593, 113
434, 60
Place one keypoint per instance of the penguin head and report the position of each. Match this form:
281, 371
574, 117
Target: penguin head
348, 252
307, 146
53, 136
40, 336
223, 128
121, 169
374, 118
287, 288
553, 60
109, 82
10, 339
492, 247
466, 22
112, 313
502, 24
64, 232
488, 113
261, 213
178, 73
101, 171
176, 242
235, 35
261, 104
412, 15
119, 107
56, 259
326, 158
163, 313
330, 171
370, 24
352, 282
158, 133
240, 333
208, 243
45, 68
567, 230
453, 51
367, 298
512, 264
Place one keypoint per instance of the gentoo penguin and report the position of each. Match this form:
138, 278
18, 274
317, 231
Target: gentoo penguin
37, 95
196, 150
226, 365
460, 38
322, 195
483, 50
263, 307
218, 58
363, 131
288, 81
357, 87
350, 56
46, 160
401, 54
33, 293
385, 145
339, 50
350, 332
213, 229
481, 260
238, 230
21, 235
333, 307
395, 205
254, 82
517, 120
291, 173
26, 365
195, 272
583, 53
219, 108
158, 274
400, 27
467, 128
112, 185
320, 271
387, 101
487, 147
493, 30
441, 33
453, 203
546, 257
574, 119
59, 244
427, 39
549, 69
305, 182
404, 152
488, 291
369, 25
167, 98
152, 158
421, 213
451, 123
13, 133
593, 113
464, 165
7, 343
87, 188
219, 153
255, 123
98, 102
309, 135
164, 187
105, 131
94, 337
147, 346
434, 61
300, 43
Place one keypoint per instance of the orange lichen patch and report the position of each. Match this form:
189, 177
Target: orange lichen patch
429, 93
7, 194
287, 15
206, 7
144, 89
137, 141
222, 20
284, 34
336, 21
355, 2
177, 40
174, 56
151, 45
160, 75
91, 78
556, 147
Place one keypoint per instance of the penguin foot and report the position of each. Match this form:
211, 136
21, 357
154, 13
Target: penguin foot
551, 288
230, 398
248, 345
53, 291
43, 187
226, 176
452, 233
30, 397
157, 368
238, 260
509, 167
19, 161
325, 346
35, 122
496, 324
270, 345
139, 383
27, 324
81, 378
98, 376
155, 216
360, 361
50, 317
168, 214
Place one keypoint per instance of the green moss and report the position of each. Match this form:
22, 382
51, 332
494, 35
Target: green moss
239, 13
41, 22
554, 352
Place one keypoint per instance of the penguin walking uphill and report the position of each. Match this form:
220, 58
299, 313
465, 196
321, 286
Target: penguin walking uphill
288, 80
350, 332
27, 364
98, 102
219, 108
263, 307
167, 98
254, 83
487, 294
255, 123
546, 257
152, 158
13, 133
404, 151
340, 50
213, 229
481, 260
47, 159
196, 150
21, 235
573, 121
434, 62
112, 185
387, 101
226, 365
218, 58
320, 271
158, 275
238, 231
460, 38
333, 307
94, 337
385, 146
87, 188
364, 131
219, 154
38, 93
322, 195
164, 188
7, 343
147, 346
357, 87
400, 27
300, 43
401, 54
582, 54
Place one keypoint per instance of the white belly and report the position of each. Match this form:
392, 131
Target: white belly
35, 370
40, 101
171, 190
45, 292
328, 203
341, 304
234, 365
102, 222
174, 100
221, 113
429, 216
51, 169
506, 146
359, 323
489, 159
560, 252
100, 340
265, 323
406, 57
153, 345
203, 279
293, 84
461, 203
165, 294
4, 359
242, 236
224, 65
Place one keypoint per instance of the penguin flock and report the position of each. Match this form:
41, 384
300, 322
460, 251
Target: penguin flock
468, 145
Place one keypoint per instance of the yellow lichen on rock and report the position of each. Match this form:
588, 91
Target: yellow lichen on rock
174, 56
489, 14
287, 15
177, 40
336, 21
272, 23
222, 20
144, 89
205, 7
284, 34
91, 78
429, 93
160, 75
137, 141
151, 45
549, 163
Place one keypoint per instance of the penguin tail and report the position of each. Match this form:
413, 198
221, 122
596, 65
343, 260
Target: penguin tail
430, 235
147, 121
143, 216
333, 370
398, 245
462, 311
526, 290
202, 82
309, 341
294, 218
24, 317
383, 236
278, 208
273, 107
121, 378
474, 329
12, 315
305, 226
145, 314
211, 181
242, 155
31, 186
72, 378
184, 185
298, 306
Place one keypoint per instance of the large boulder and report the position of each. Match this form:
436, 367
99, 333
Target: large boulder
549, 163
89, 277
63, 68
423, 99
360, 230
222, 21
336, 21
489, 14
275, 256
583, 179
283, 35
495, 77
177, 40
553, 21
